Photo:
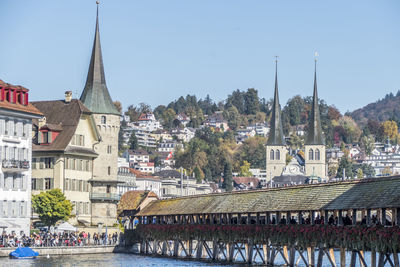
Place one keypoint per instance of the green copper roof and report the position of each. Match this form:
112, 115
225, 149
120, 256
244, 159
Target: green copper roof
314, 135
276, 137
95, 95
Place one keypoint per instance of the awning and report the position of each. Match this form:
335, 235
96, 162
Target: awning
66, 227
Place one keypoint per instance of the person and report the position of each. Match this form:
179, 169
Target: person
364, 220
331, 220
283, 220
293, 220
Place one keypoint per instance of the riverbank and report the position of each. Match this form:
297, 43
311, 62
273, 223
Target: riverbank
52, 251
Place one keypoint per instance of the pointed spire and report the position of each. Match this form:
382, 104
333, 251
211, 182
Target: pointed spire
315, 136
276, 131
95, 95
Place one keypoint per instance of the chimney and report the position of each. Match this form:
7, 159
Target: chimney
68, 96
42, 122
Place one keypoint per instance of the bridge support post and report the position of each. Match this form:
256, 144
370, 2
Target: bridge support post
340, 219
320, 256
215, 250
199, 250
398, 216
292, 256
164, 248
311, 256
176, 248
396, 259
383, 216
373, 258
354, 216
368, 217
342, 257
230, 249
353, 259
249, 251
266, 252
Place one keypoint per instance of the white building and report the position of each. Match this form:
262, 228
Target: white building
385, 162
147, 122
147, 182
126, 180
16, 115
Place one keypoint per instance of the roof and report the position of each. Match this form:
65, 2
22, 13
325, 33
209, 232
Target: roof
314, 135
131, 200
17, 106
66, 116
356, 194
168, 174
247, 181
276, 137
142, 175
95, 95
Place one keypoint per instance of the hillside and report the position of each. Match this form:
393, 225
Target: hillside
381, 110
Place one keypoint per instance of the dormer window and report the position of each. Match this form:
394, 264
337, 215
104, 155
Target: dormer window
103, 119
45, 137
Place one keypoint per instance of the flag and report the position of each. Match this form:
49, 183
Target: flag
169, 156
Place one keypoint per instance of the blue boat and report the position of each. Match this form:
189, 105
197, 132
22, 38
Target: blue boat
24, 253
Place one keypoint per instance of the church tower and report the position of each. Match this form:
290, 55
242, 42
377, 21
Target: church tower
276, 145
95, 96
315, 162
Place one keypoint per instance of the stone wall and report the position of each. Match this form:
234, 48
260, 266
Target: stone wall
4, 252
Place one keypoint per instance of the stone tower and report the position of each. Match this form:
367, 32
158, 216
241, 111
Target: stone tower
276, 145
95, 96
315, 162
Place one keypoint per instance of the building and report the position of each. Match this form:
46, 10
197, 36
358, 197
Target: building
167, 146
147, 182
276, 144
315, 156
16, 115
146, 167
217, 121
97, 99
63, 153
147, 122
126, 180
136, 156
173, 184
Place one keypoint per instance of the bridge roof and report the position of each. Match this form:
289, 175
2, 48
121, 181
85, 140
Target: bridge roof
357, 194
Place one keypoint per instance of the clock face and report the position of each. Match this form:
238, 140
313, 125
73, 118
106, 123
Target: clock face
293, 169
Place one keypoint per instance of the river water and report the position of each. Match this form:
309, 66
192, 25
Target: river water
115, 260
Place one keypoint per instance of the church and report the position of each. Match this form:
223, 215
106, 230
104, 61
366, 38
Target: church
299, 170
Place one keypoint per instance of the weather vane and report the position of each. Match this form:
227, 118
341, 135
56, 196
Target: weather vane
97, 2
276, 58
316, 55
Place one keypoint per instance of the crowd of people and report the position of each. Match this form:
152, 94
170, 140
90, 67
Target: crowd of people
47, 239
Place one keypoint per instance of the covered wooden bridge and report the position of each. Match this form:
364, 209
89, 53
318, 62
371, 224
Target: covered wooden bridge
272, 214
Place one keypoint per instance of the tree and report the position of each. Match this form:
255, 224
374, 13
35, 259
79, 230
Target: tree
118, 106
245, 169
347, 165
228, 180
390, 130
360, 173
52, 206
133, 142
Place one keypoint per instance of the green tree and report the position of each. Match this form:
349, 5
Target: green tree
360, 173
347, 165
133, 142
228, 179
245, 169
52, 206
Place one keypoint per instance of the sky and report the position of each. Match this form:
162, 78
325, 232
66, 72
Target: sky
155, 51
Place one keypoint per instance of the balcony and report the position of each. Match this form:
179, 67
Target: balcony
15, 164
104, 196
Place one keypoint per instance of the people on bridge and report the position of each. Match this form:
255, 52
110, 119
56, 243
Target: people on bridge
293, 220
283, 220
331, 220
347, 220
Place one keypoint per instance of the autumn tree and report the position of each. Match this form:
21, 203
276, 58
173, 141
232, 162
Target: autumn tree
390, 131
228, 179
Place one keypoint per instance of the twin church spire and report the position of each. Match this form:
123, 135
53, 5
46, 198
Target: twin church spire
314, 136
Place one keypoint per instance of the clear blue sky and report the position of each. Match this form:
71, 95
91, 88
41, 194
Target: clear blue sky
156, 51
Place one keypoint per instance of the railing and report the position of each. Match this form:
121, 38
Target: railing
104, 196
15, 164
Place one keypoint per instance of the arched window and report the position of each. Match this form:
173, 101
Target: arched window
278, 154
103, 119
317, 154
311, 154
271, 154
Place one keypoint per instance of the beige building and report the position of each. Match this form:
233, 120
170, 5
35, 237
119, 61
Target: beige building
63, 153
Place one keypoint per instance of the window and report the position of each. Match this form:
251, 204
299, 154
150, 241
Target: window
271, 154
317, 154
311, 154
103, 120
48, 163
48, 183
15, 182
66, 184
108, 189
109, 170
108, 149
278, 154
